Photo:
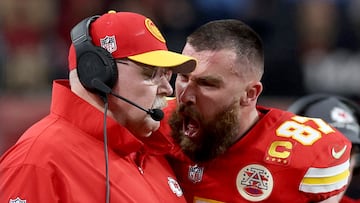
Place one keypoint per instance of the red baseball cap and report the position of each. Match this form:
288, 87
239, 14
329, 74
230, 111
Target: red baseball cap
134, 36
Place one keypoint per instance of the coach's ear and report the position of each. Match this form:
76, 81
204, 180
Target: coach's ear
252, 93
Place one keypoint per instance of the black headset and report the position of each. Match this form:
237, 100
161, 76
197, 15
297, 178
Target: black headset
93, 62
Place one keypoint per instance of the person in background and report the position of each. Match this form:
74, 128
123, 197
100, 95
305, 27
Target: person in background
93, 146
233, 150
343, 114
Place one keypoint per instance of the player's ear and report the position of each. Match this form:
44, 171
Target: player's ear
252, 92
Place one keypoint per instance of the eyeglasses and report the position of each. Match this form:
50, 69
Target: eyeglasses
152, 73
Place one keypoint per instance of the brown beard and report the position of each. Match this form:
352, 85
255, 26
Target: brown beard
214, 137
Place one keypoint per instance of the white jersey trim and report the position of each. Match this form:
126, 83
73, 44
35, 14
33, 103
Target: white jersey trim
319, 174
323, 188
327, 172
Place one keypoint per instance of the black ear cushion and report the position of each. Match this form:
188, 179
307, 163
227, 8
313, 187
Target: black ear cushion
96, 63
93, 62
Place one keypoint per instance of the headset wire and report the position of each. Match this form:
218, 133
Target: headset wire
106, 153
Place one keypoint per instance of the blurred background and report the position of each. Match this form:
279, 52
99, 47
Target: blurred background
311, 46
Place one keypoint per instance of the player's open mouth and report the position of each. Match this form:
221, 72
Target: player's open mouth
190, 127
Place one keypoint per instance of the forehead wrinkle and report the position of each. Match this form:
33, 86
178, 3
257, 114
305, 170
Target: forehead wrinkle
225, 59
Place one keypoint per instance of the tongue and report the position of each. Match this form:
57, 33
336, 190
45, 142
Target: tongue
191, 129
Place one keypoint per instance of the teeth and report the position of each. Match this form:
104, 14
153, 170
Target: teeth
190, 130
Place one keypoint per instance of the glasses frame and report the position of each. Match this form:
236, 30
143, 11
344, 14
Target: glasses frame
157, 73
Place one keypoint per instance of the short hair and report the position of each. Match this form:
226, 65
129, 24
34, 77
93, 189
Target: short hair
233, 35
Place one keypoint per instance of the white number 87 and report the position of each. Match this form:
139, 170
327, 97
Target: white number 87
305, 134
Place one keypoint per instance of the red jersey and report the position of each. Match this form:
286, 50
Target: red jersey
283, 158
61, 159
347, 199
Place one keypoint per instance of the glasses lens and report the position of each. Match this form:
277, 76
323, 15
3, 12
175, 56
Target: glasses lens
162, 73
154, 74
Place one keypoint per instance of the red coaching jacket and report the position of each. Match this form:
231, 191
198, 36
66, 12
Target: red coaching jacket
61, 159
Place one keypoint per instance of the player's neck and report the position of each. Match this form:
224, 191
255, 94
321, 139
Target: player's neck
246, 124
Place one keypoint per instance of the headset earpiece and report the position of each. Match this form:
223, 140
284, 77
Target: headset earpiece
93, 62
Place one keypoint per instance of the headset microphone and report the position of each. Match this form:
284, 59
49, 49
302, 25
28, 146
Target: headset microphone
156, 114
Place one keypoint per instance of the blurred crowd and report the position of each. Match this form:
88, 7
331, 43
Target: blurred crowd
310, 45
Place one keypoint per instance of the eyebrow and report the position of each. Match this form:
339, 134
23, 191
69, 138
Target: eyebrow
214, 80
